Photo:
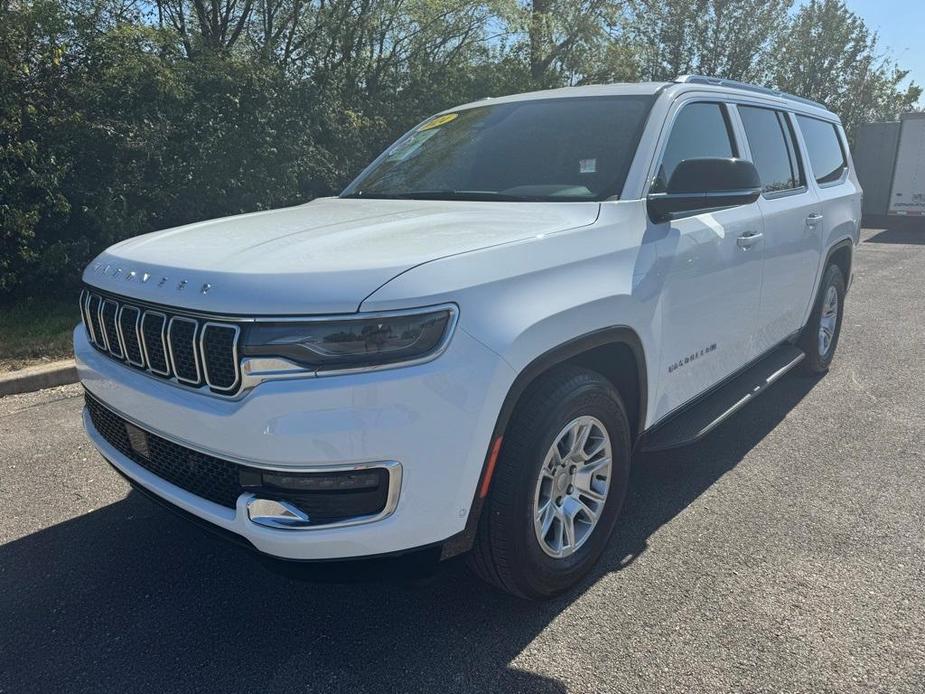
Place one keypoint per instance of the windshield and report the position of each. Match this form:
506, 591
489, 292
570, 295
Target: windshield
571, 149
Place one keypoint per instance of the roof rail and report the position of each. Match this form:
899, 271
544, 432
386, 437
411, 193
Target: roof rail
745, 86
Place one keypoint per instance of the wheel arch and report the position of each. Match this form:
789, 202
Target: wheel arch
590, 350
841, 253
605, 351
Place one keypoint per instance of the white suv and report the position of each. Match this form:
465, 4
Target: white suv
464, 349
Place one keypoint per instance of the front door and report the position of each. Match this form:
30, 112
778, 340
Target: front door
712, 270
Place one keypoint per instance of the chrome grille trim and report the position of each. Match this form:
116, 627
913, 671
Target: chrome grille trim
205, 360
195, 347
122, 309
85, 315
94, 306
120, 354
99, 339
144, 343
99, 317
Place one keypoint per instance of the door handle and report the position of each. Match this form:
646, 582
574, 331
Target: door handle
814, 220
749, 239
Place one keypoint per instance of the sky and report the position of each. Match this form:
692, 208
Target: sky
901, 25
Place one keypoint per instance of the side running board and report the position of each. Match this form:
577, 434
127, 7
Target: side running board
705, 414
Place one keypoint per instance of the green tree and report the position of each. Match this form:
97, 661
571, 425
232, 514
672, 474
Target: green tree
32, 201
119, 117
829, 54
565, 42
206, 25
734, 37
724, 38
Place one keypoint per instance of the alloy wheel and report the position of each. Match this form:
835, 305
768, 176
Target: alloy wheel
828, 320
572, 488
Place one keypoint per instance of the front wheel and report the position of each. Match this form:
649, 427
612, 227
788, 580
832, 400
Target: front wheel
820, 336
558, 486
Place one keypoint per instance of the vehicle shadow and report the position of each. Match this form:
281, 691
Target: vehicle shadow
132, 598
907, 232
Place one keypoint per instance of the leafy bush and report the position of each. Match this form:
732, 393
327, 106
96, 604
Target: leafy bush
114, 122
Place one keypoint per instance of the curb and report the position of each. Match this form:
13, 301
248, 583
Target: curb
58, 373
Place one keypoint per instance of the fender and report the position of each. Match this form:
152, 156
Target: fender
848, 243
622, 335
845, 242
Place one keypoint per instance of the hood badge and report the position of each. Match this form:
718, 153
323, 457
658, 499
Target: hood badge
143, 277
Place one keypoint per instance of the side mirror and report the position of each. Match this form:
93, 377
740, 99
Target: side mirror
698, 185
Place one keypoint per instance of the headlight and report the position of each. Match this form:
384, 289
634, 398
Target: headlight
365, 341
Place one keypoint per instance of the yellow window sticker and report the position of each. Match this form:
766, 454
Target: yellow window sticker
438, 121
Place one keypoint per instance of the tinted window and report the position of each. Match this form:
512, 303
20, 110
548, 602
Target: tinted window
700, 130
824, 148
549, 149
771, 143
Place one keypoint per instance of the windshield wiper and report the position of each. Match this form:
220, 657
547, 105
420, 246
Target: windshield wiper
450, 195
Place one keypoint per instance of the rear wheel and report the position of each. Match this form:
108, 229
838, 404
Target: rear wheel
820, 336
558, 486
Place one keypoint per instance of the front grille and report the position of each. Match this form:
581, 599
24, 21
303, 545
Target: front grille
189, 350
222, 481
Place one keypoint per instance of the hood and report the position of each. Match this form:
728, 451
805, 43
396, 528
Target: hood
322, 257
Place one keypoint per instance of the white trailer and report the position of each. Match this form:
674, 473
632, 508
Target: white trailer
907, 193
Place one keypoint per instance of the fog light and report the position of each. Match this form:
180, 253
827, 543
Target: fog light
320, 482
321, 498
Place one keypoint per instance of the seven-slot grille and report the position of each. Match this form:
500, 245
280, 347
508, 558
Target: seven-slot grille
192, 351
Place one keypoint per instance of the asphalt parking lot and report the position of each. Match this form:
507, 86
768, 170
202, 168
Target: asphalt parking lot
786, 552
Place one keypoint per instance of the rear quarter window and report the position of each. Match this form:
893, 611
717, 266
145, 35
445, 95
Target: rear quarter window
826, 154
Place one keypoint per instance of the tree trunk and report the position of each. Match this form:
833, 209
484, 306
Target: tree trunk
538, 39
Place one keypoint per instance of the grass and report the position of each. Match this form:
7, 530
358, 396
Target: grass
33, 331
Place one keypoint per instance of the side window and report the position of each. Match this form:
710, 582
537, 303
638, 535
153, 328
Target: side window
826, 155
700, 130
771, 142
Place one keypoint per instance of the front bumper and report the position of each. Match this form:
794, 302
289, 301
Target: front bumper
434, 419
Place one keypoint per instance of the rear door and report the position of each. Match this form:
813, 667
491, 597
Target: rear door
836, 186
793, 220
712, 267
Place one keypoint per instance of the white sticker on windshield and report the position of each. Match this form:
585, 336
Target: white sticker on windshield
587, 166
411, 145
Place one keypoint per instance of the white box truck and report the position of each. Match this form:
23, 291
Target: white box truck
907, 195
890, 161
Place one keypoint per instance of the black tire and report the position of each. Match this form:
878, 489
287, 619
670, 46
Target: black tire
507, 552
817, 362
